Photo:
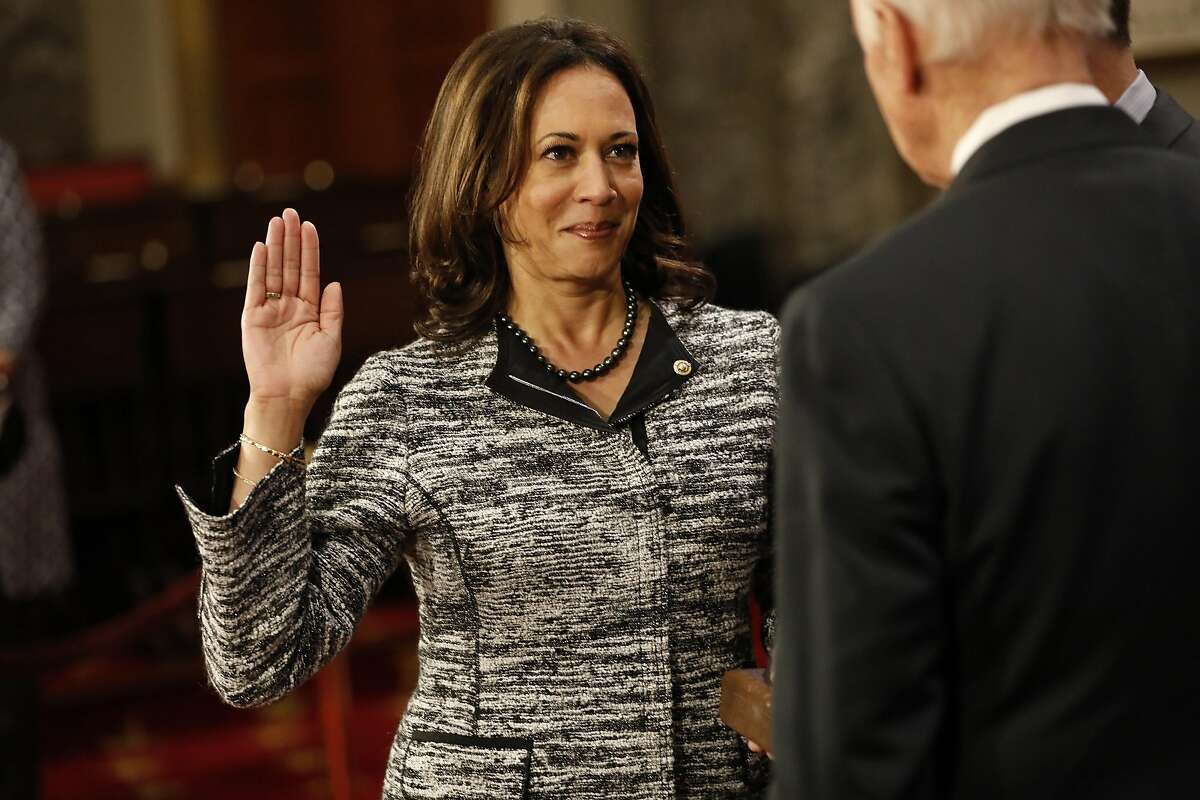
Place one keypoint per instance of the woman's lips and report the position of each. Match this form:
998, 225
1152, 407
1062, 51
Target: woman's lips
593, 230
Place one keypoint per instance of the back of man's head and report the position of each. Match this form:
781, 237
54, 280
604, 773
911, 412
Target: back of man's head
956, 27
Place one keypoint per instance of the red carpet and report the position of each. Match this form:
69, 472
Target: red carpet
151, 729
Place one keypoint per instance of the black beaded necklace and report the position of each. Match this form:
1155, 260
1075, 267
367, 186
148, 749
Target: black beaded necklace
631, 310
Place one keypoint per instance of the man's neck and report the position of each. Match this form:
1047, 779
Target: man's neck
1113, 67
1008, 68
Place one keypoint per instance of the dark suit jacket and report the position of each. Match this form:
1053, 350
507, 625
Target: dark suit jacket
989, 486
1171, 126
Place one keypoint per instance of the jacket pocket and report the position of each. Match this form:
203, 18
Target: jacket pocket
446, 765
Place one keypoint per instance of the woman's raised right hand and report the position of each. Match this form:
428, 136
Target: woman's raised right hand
291, 330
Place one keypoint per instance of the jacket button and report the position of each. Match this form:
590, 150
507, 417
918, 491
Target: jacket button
683, 367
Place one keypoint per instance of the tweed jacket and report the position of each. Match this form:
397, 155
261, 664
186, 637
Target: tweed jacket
579, 598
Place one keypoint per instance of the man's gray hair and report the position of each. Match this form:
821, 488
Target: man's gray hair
956, 27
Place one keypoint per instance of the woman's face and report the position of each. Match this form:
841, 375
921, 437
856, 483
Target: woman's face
577, 204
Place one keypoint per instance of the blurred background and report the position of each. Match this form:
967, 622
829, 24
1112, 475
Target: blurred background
157, 137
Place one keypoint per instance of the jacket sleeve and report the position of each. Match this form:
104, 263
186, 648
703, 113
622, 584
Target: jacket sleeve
860, 685
287, 576
22, 282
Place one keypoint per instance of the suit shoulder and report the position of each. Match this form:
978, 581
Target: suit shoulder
875, 271
1188, 142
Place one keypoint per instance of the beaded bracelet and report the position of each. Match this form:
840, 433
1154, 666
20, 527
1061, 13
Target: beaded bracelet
271, 451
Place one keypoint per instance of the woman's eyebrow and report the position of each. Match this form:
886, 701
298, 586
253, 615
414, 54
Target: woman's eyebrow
574, 137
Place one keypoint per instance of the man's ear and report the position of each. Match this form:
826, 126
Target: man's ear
898, 41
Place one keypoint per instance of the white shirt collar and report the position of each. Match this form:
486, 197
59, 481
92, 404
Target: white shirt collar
1027, 105
1138, 99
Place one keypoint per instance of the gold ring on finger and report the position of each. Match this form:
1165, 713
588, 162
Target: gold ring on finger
273, 295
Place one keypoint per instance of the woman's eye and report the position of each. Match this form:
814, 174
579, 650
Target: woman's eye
625, 151
558, 153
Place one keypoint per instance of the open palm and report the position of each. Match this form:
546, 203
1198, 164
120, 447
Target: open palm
291, 330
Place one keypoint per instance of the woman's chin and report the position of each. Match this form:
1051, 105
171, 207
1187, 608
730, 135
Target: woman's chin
591, 263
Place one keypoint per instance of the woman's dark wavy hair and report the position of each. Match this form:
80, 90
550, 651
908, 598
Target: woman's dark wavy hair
475, 152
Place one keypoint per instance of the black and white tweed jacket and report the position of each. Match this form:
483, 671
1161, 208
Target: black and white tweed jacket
579, 598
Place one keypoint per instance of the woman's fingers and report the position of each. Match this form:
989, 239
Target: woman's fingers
310, 264
331, 310
256, 279
287, 264
291, 252
275, 255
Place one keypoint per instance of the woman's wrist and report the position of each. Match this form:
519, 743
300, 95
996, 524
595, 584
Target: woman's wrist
275, 422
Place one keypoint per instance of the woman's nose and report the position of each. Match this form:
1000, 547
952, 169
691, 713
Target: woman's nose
595, 182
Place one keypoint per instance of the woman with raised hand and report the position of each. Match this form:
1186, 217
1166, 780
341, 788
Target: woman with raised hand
572, 458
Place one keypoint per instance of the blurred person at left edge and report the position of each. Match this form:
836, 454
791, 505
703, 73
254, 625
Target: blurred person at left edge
35, 554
